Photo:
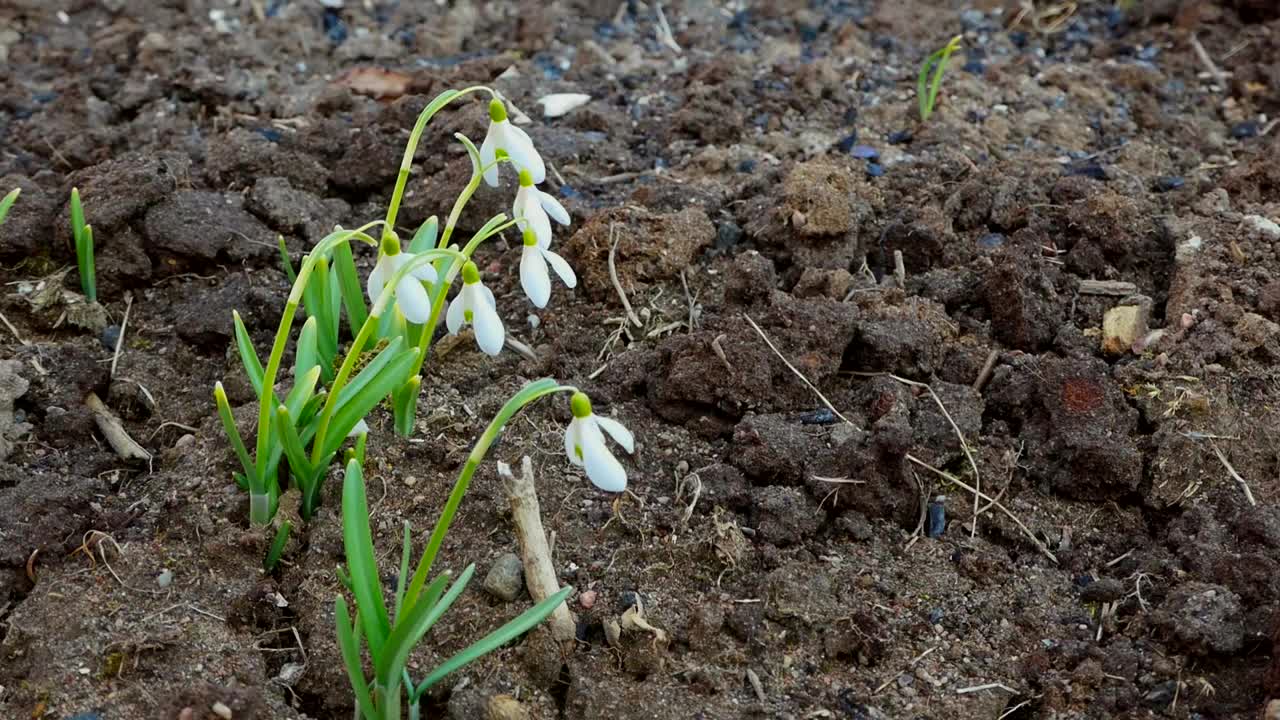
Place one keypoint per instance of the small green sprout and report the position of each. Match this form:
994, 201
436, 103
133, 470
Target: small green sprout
927, 86
8, 202
83, 235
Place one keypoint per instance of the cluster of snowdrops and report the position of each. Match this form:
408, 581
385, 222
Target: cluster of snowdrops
302, 432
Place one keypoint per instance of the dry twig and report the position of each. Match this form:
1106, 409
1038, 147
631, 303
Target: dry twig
793, 369
539, 570
613, 276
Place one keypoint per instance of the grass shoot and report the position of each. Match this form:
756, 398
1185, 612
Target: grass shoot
931, 73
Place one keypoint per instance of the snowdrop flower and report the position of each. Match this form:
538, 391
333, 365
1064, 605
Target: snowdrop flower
584, 444
536, 209
361, 428
512, 142
411, 297
475, 306
534, 277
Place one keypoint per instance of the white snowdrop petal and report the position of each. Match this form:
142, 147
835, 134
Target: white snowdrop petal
361, 428
603, 469
619, 433
561, 267
487, 294
524, 200
553, 207
490, 335
533, 276
559, 104
413, 301
519, 146
453, 318
378, 278
425, 273
488, 154
572, 441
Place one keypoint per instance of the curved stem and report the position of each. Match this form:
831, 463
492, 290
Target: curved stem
527, 395
366, 331
406, 163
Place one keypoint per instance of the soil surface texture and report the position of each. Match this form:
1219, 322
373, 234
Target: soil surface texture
1015, 454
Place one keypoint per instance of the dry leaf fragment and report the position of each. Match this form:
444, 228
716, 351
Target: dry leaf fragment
375, 82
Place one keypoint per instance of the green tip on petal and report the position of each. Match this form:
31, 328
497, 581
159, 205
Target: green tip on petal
390, 244
530, 237
526, 178
497, 111
580, 405
470, 273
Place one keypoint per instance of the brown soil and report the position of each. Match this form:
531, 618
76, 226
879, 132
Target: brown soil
765, 536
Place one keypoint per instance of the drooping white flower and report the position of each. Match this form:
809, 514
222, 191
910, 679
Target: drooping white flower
411, 297
534, 277
360, 428
512, 142
535, 209
475, 306
585, 446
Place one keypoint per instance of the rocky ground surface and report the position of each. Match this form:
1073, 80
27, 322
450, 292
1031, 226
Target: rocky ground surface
1084, 327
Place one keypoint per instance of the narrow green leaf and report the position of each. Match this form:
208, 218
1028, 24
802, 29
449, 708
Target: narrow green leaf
425, 238
248, 355
406, 634
358, 543
277, 546
285, 262
370, 371
306, 354
349, 282
404, 571
301, 394
77, 217
349, 644
8, 202
515, 628
84, 258
229, 425
345, 418
293, 450
405, 405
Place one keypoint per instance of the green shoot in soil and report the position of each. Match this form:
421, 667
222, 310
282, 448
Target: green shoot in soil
8, 202
83, 235
927, 86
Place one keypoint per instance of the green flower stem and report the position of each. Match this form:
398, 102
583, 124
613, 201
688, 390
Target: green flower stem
259, 501
357, 345
437, 307
531, 392
406, 163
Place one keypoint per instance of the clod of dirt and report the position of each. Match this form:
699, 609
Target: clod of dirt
907, 339
786, 515
505, 579
12, 387
1024, 305
1202, 618
816, 215
815, 282
195, 227
751, 279
117, 190
240, 157
45, 513
773, 449
25, 231
651, 247
292, 211
204, 320
57, 397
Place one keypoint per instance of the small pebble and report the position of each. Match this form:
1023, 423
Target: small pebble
1243, 130
898, 137
221, 710
506, 578
1165, 183
864, 152
936, 520
1148, 53
848, 142
588, 599
991, 240
110, 336
821, 416
165, 578
875, 169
